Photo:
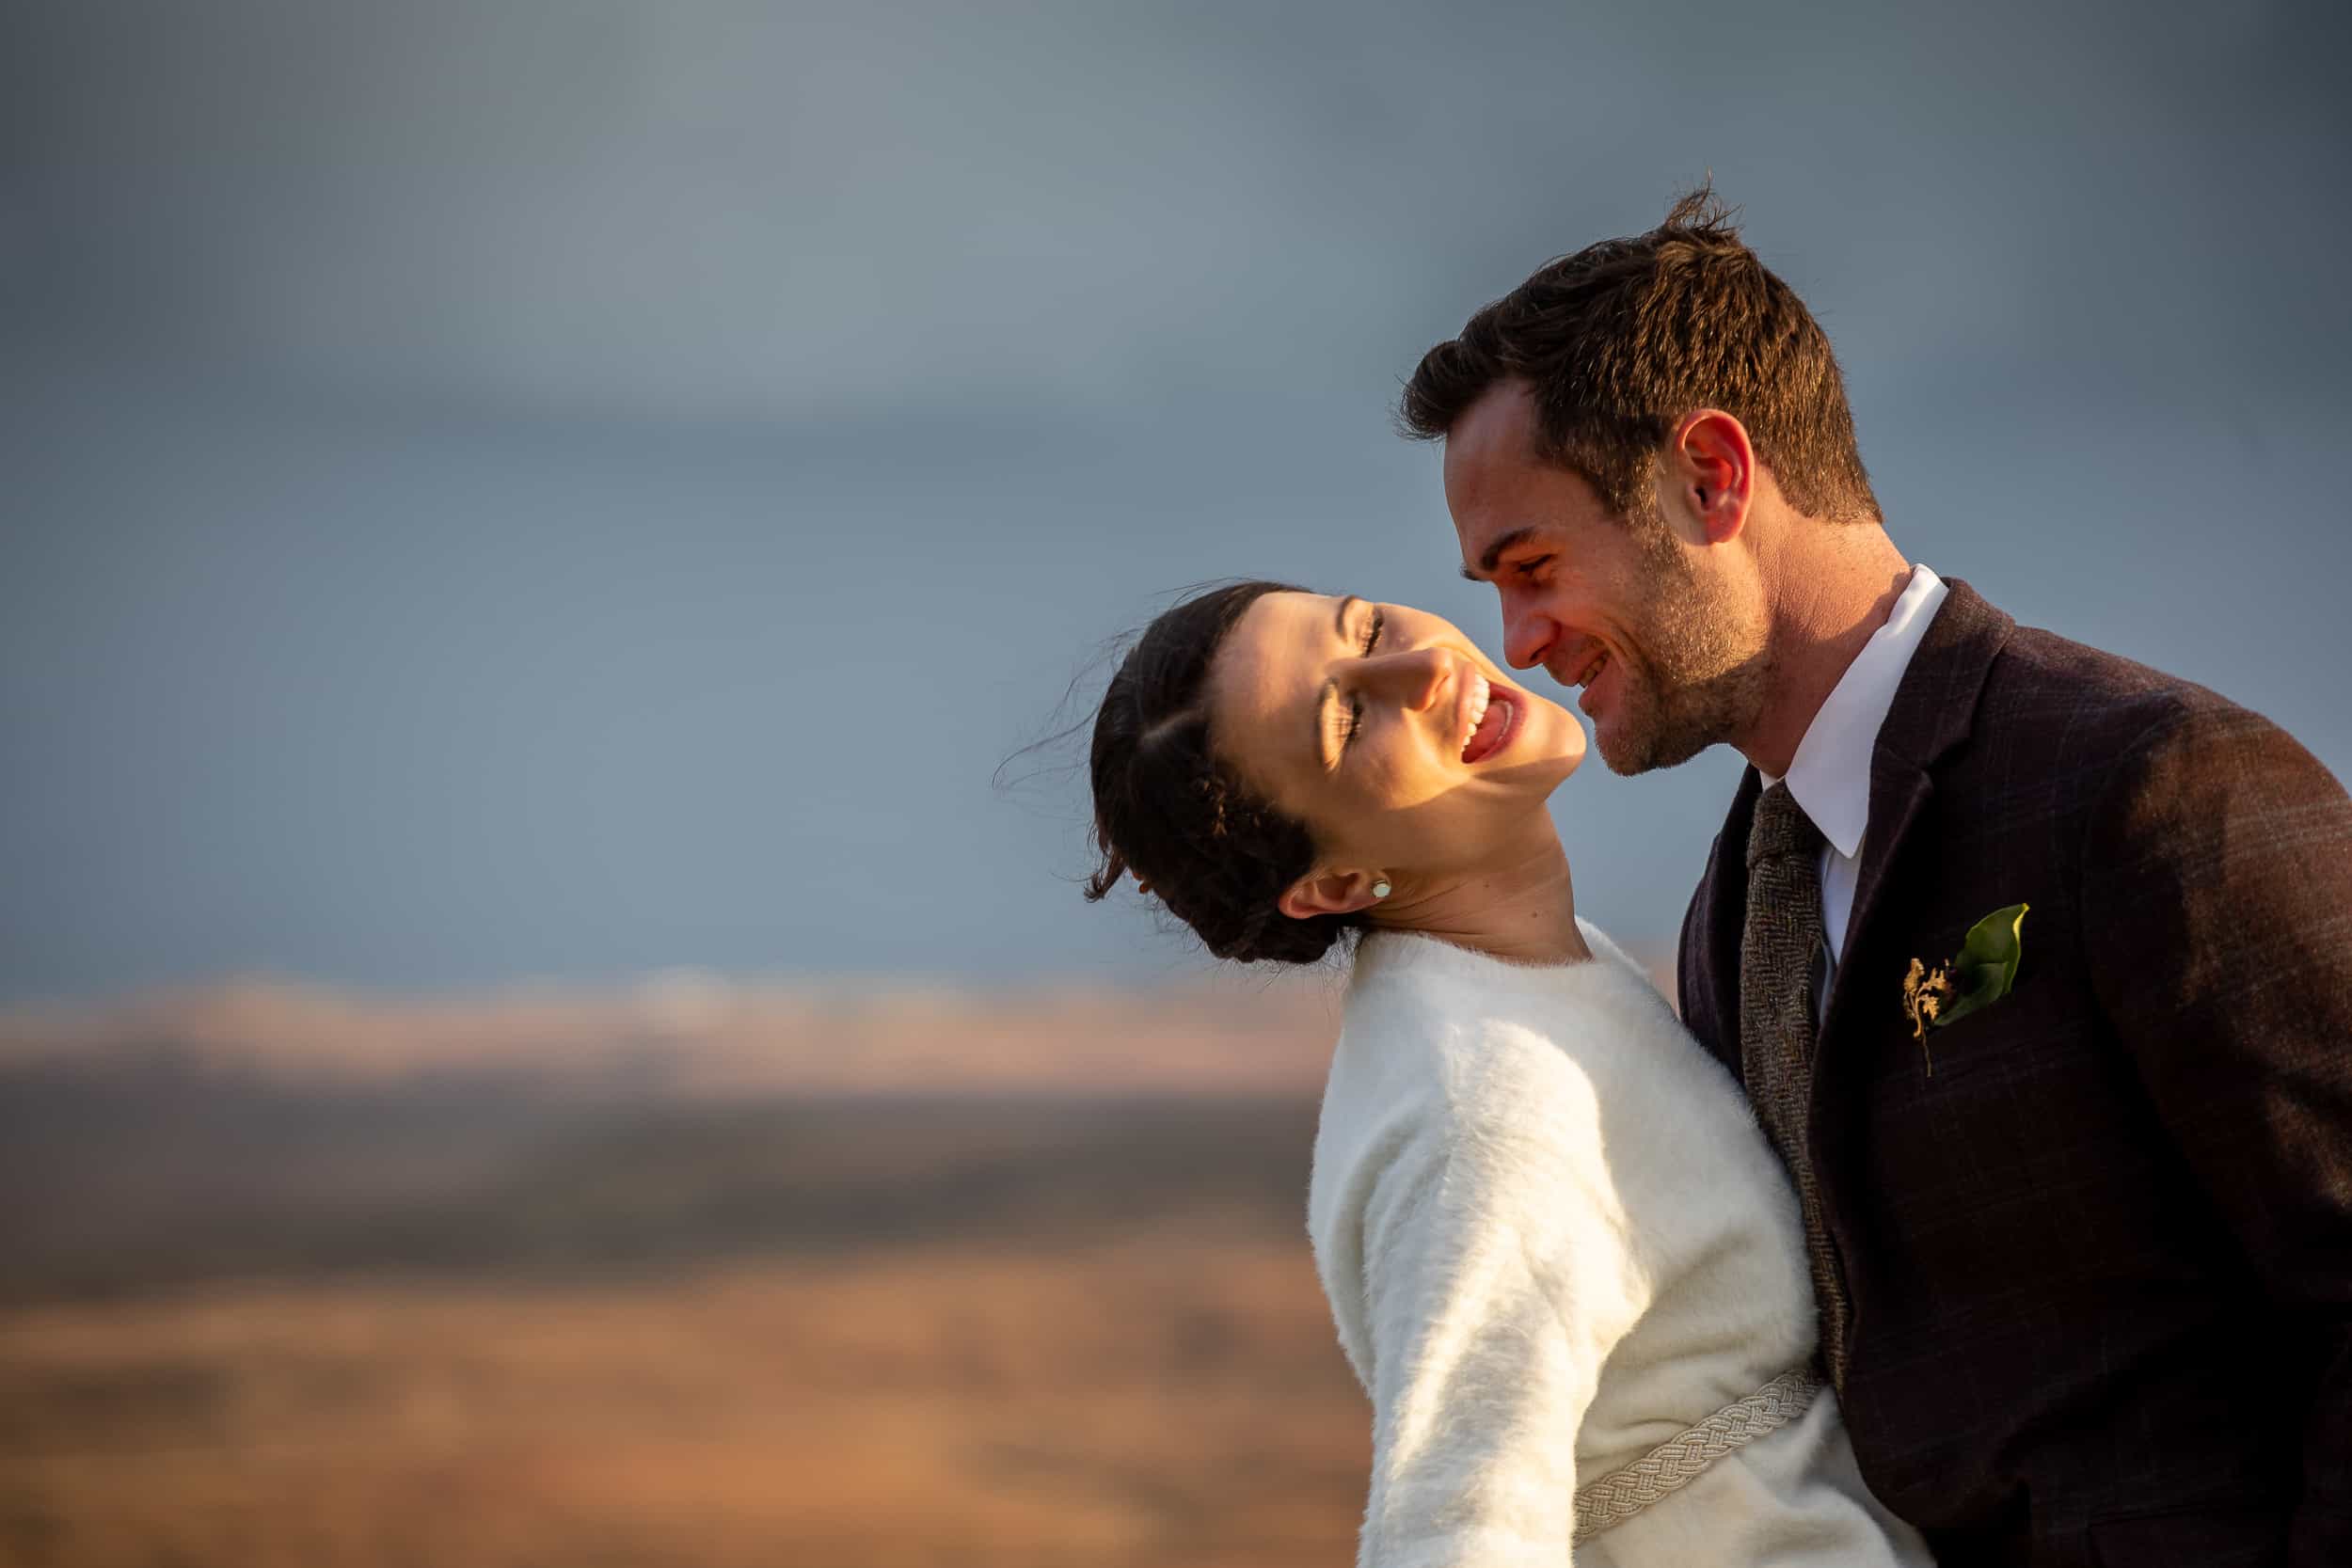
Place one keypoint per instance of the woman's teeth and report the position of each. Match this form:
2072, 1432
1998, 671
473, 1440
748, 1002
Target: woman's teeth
1483, 709
1480, 694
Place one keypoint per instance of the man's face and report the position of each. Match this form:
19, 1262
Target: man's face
1664, 634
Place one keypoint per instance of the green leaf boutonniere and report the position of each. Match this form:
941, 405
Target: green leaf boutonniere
1979, 976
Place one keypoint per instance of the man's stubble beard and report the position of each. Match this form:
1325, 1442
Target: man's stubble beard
1700, 673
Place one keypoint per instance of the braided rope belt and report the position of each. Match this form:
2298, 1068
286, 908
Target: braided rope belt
1675, 1462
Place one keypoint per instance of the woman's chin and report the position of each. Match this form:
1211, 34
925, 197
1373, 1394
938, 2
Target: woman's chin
1574, 744
1556, 738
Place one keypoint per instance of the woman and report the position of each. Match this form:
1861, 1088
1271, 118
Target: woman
1563, 1263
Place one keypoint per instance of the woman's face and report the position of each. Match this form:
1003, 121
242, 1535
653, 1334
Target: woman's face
1384, 730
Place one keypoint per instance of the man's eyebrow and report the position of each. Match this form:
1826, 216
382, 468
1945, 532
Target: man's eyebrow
1486, 566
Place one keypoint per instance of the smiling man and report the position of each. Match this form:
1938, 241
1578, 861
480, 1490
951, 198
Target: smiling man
2036, 963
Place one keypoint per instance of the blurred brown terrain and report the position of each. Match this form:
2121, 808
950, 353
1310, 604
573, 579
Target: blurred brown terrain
690, 1274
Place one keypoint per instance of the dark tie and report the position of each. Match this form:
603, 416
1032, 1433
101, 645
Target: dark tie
1778, 950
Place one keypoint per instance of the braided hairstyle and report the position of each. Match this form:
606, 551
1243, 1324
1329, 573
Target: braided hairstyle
1183, 823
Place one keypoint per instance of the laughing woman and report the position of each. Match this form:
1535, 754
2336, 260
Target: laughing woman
1563, 1263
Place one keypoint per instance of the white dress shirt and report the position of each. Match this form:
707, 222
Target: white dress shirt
1830, 775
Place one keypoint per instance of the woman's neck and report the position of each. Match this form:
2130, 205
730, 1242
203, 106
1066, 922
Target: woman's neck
1522, 908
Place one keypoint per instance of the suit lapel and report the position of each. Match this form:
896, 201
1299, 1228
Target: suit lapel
1932, 712
1899, 794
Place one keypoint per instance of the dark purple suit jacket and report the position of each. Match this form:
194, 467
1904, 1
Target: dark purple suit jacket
2101, 1259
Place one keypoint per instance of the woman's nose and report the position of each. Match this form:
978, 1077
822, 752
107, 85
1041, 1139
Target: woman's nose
1411, 680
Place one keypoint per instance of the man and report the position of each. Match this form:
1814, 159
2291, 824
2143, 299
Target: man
2078, 1189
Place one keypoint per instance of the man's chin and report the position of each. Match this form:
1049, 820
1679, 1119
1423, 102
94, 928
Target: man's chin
1621, 745
1625, 754
1634, 747
1645, 731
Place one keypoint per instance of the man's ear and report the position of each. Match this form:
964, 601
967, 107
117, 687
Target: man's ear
1328, 892
1710, 470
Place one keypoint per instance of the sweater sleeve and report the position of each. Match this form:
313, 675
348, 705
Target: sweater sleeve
1495, 1283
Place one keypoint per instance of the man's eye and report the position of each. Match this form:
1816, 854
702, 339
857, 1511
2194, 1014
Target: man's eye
1532, 564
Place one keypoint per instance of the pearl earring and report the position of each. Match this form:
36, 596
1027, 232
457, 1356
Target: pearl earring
1380, 889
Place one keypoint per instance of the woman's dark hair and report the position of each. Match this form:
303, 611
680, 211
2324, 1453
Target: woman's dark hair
1167, 812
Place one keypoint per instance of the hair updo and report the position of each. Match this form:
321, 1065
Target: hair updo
1216, 854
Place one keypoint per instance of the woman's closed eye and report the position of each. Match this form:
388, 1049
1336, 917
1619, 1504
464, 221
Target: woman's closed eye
1355, 720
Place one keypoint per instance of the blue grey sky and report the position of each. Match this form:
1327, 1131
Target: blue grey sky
562, 488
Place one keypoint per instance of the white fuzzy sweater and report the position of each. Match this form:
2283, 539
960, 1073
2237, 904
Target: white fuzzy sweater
1553, 1237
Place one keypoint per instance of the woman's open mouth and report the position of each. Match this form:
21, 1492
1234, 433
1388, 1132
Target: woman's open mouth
1494, 716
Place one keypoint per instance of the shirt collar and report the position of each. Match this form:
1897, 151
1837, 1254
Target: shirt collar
1830, 775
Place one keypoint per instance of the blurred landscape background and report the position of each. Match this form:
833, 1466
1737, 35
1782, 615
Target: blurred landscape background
684, 1275
545, 1013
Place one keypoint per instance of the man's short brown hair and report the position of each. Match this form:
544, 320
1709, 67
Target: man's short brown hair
1624, 338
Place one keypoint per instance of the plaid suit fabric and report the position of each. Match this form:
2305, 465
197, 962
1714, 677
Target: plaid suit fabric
2099, 1262
1778, 948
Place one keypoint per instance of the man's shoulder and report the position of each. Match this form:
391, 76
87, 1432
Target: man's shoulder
2037, 664
2066, 733
2055, 696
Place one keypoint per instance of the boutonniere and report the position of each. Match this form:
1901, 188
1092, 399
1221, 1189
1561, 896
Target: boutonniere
1980, 975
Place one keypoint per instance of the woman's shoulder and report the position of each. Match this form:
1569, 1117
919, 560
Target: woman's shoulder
1418, 994
1569, 1102
1430, 1024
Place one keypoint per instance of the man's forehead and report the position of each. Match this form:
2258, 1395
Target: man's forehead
1535, 501
1490, 458
1477, 464
1500, 423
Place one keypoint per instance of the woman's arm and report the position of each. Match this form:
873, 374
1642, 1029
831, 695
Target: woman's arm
1495, 1281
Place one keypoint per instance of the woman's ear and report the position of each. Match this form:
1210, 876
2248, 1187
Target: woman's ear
1331, 893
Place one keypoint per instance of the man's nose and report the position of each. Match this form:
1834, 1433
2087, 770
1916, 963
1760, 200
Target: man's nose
1528, 635
1410, 679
